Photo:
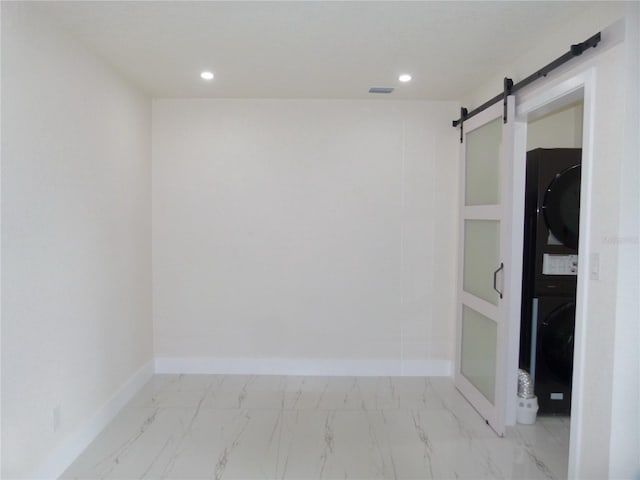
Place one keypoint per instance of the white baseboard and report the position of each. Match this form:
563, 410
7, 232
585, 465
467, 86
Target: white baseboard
304, 366
75, 443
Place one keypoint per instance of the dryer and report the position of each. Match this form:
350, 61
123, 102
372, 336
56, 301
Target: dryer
550, 267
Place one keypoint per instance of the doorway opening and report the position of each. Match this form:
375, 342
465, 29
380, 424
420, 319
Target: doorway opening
556, 116
550, 264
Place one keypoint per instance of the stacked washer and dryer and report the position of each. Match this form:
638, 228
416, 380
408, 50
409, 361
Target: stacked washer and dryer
550, 267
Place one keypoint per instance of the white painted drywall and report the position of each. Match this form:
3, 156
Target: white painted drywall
559, 129
76, 263
607, 389
304, 229
624, 448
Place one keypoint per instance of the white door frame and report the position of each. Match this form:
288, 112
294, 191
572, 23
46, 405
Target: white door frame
530, 107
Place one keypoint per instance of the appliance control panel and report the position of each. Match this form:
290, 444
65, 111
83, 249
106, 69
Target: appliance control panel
559, 264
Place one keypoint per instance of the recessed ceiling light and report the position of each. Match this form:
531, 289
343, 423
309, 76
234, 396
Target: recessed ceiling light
405, 77
206, 76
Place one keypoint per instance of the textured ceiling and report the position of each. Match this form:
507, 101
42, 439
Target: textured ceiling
307, 49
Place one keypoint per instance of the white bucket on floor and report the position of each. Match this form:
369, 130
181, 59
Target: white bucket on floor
527, 410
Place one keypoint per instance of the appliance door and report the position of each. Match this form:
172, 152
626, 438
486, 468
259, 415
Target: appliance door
556, 342
561, 206
554, 357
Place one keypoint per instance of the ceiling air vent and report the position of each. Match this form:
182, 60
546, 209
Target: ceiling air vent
381, 90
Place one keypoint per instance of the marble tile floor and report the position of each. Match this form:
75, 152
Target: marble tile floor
276, 427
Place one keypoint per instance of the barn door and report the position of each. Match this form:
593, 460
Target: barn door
482, 326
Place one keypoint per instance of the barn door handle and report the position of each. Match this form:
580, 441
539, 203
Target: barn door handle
495, 279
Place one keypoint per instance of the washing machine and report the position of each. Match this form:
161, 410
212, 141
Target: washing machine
552, 368
550, 267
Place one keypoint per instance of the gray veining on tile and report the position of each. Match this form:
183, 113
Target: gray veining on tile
275, 427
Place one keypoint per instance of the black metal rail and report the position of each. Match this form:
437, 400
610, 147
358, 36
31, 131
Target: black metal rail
510, 88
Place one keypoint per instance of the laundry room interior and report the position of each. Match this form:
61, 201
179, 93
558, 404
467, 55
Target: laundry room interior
554, 146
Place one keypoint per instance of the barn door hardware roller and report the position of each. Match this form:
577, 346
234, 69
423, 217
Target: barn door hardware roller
508, 90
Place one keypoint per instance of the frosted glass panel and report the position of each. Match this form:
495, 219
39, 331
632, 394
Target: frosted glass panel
478, 361
481, 258
482, 179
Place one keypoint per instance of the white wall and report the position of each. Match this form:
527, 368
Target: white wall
559, 129
625, 402
315, 235
76, 300
607, 442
